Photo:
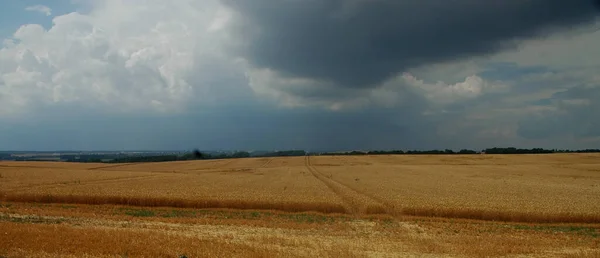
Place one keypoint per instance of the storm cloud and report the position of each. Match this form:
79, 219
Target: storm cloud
362, 43
307, 74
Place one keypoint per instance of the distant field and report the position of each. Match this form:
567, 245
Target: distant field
527, 188
546, 191
558, 188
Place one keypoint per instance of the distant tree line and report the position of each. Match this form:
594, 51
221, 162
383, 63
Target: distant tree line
198, 155
288, 153
137, 159
92, 158
512, 150
5, 156
495, 150
401, 152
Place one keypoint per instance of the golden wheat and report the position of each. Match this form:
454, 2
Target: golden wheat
102, 236
528, 188
466, 205
525, 188
288, 188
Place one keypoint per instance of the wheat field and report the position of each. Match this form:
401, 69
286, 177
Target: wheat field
526, 188
325, 206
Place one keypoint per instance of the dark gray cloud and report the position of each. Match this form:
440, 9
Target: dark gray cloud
225, 128
357, 43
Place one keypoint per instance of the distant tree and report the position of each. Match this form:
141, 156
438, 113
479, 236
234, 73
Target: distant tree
288, 153
197, 154
465, 151
513, 150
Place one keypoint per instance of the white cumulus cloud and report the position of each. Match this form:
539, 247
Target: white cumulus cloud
121, 56
443, 93
40, 8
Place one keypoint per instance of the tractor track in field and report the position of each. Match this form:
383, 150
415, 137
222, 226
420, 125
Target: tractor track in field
389, 209
113, 166
269, 161
355, 202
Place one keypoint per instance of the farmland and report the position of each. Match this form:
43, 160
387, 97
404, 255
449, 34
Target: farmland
325, 206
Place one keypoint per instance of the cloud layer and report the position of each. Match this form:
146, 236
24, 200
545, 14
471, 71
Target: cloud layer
304, 74
362, 43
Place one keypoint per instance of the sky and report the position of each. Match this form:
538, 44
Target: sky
299, 74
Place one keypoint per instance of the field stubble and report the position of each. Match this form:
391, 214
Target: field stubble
50, 230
